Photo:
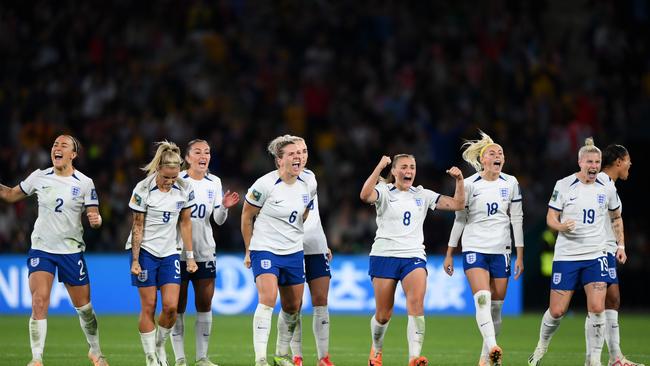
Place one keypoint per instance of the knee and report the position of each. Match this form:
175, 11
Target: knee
415, 306
612, 302
596, 308
556, 311
170, 309
291, 307
40, 304
382, 317
319, 299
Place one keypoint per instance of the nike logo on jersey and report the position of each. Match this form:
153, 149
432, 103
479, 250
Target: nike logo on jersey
393, 200
476, 194
278, 202
573, 198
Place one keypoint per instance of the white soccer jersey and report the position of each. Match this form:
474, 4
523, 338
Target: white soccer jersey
279, 227
611, 244
587, 205
61, 200
487, 214
161, 210
400, 217
207, 201
315, 241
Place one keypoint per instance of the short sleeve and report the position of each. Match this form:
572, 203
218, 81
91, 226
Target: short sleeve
90, 198
433, 198
557, 198
516, 192
190, 195
612, 196
257, 194
29, 184
218, 195
382, 194
137, 202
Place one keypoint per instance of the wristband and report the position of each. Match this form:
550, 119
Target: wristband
621, 247
189, 254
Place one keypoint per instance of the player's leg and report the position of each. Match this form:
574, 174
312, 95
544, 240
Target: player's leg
414, 285
498, 288
146, 322
291, 283
267, 291
169, 291
318, 277
178, 330
596, 293
204, 291
40, 286
384, 272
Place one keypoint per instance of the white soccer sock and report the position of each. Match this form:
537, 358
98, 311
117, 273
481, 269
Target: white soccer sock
88, 321
612, 334
178, 337
415, 335
261, 330
321, 328
37, 333
496, 307
596, 335
148, 342
482, 303
547, 329
203, 330
161, 338
286, 326
377, 331
296, 338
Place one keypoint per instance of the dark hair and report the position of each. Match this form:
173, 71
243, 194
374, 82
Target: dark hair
76, 145
613, 152
187, 165
390, 178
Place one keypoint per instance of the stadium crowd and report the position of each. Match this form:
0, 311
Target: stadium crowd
358, 79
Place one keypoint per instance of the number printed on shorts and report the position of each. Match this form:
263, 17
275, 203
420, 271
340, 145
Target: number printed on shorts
82, 272
177, 264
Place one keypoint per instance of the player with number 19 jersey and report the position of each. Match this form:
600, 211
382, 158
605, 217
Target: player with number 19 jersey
162, 211
400, 217
587, 205
61, 200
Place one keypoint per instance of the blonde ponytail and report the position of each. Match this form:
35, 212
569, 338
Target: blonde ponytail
474, 149
167, 155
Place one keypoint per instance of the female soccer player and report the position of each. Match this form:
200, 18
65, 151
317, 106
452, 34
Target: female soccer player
209, 200
578, 211
272, 225
317, 271
493, 204
398, 251
616, 165
57, 242
160, 202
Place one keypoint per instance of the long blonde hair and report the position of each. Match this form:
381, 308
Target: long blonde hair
589, 147
277, 144
390, 178
474, 149
168, 154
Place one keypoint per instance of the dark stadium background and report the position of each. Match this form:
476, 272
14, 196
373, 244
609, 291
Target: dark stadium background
358, 79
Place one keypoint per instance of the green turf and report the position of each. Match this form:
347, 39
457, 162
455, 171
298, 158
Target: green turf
449, 340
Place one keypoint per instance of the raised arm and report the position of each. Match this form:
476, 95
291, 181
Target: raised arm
368, 193
220, 214
11, 195
186, 234
457, 202
248, 214
137, 232
619, 233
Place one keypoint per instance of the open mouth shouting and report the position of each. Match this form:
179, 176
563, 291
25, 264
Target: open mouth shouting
58, 156
592, 174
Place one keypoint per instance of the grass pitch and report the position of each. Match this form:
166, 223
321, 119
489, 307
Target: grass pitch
449, 340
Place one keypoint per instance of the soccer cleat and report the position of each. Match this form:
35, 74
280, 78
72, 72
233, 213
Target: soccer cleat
35, 363
282, 361
496, 356
205, 362
375, 358
181, 362
325, 361
536, 358
97, 360
623, 362
419, 361
297, 360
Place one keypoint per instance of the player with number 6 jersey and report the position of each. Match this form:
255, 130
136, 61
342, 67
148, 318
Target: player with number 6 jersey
209, 201
580, 207
493, 204
398, 251
160, 203
57, 242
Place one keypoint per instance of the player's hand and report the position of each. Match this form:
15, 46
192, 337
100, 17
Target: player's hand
230, 199
329, 254
569, 225
519, 267
455, 173
191, 265
135, 268
448, 265
384, 162
621, 257
247, 259
94, 218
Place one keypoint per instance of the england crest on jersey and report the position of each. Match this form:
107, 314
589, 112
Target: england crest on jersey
179, 204
210, 194
601, 200
75, 191
34, 262
470, 258
143, 276
505, 193
305, 199
418, 202
557, 278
